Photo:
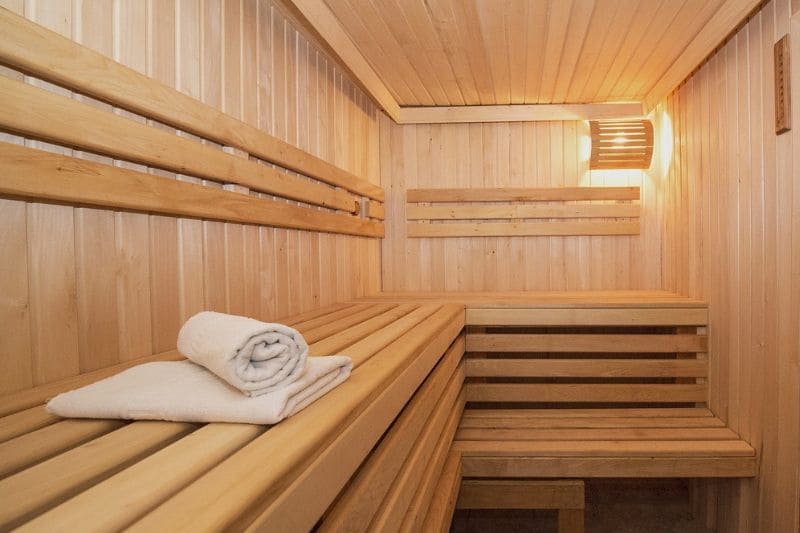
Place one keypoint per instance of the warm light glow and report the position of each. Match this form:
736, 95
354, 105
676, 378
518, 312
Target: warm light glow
620, 140
664, 142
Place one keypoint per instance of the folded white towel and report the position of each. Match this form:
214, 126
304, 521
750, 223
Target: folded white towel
185, 392
255, 357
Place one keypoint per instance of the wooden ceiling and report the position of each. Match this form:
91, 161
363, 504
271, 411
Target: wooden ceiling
486, 52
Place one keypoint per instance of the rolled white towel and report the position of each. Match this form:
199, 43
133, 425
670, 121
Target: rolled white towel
185, 392
255, 357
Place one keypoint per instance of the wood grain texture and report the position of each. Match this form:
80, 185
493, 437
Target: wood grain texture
509, 162
455, 53
732, 237
158, 271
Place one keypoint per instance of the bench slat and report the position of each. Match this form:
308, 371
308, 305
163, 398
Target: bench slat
590, 422
584, 342
679, 412
602, 392
613, 467
521, 494
29, 449
607, 448
58, 478
418, 508
326, 477
354, 318
661, 434
235, 486
442, 425
445, 495
348, 337
132, 492
613, 368
587, 317
356, 506
25, 421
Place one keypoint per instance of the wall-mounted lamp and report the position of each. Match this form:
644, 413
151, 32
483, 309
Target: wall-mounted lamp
621, 144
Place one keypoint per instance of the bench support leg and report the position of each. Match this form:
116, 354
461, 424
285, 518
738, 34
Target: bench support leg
570, 521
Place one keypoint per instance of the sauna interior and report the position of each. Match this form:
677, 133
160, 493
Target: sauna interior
558, 242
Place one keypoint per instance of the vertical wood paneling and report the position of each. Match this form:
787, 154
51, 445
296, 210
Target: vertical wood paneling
545, 154
731, 236
85, 288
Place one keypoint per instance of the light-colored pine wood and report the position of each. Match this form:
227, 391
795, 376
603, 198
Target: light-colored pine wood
501, 194
357, 504
516, 113
344, 403
586, 317
597, 421
25, 421
250, 105
418, 212
589, 467
34, 49
122, 138
521, 494
144, 485
605, 368
492, 229
419, 506
633, 448
614, 343
28, 449
445, 495
437, 435
728, 232
72, 180
50, 482
519, 392
616, 434
320, 18
727, 17
446, 53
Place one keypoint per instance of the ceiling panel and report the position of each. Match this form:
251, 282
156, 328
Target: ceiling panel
482, 52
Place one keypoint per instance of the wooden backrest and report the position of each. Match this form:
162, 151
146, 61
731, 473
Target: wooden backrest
221, 182
556, 211
568, 357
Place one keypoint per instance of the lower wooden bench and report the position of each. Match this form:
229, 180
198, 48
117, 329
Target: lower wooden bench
148, 475
567, 496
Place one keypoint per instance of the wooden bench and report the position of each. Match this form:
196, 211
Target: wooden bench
110, 474
583, 385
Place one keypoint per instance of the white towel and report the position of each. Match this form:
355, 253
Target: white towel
185, 392
255, 357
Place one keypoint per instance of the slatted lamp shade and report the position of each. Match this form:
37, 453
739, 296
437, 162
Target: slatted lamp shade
621, 144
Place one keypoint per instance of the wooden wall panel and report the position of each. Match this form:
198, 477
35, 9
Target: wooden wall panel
84, 288
542, 154
732, 237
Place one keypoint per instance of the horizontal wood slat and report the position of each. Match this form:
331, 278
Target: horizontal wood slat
610, 343
584, 368
42, 175
33, 112
548, 194
596, 467
586, 317
438, 212
588, 434
632, 448
36, 50
597, 421
603, 392
500, 229
516, 494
